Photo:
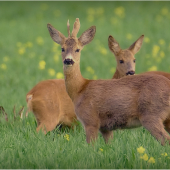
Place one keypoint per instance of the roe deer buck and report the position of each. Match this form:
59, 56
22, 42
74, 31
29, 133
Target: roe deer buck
50, 103
106, 105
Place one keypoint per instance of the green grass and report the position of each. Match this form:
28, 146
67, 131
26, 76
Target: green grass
24, 23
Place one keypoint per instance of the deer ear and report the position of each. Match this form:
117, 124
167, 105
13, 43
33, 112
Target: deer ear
87, 36
113, 45
135, 47
57, 36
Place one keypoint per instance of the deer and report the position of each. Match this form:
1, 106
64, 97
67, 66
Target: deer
50, 102
106, 105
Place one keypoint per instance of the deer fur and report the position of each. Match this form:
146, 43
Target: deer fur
48, 100
106, 105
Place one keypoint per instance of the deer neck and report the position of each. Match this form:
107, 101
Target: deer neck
117, 75
74, 81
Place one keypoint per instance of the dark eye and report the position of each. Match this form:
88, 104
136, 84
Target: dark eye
121, 61
134, 60
62, 49
77, 50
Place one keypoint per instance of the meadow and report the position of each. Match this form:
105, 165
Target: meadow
28, 55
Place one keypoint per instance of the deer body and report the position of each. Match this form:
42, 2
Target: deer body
106, 105
51, 104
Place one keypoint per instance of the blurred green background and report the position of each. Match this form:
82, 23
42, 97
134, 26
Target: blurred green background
28, 54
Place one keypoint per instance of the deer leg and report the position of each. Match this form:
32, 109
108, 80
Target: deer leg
156, 128
107, 135
167, 125
91, 133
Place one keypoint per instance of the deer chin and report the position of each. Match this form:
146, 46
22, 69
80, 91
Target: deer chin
68, 62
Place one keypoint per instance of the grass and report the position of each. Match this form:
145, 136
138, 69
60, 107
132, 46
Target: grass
28, 54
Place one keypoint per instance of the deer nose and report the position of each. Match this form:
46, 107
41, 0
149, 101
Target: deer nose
130, 73
68, 61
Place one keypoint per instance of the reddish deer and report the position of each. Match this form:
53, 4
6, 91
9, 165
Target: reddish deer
52, 106
105, 105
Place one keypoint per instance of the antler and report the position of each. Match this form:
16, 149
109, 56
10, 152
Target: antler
76, 27
68, 28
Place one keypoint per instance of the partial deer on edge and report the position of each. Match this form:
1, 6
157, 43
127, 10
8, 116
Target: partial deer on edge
50, 103
106, 105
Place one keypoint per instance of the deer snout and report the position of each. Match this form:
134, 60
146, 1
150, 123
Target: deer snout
130, 73
68, 61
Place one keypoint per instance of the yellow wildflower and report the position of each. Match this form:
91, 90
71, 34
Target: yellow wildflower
103, 50
120, 11
100, 11
161, 42
146, 39
90, 70
151, 160
67, 137
144, 157
164, 11
162, 54
59, 75
57, 13
164, 154
100, 149
40, 40
94, 77
114, 20
3, 66
56, 58
129, 36
28, 44
42, 64
141, 149
51, 72
112, 70
44, 6
90, 18
21, 50
91, 11
155, 50
153, 68
6, 59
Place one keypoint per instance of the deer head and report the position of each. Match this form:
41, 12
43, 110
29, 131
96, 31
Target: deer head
71, 46
125, 58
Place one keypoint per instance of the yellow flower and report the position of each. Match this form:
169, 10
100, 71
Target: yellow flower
120, 11
103, 50
161, 42
164, 154
90, 70
164, 11
112, 70
6, 59
42, 64
56, 58
141, 149
40, 40
44, 6
153, 68
57, 13
94, 77
91, 11
21, 50
151, 160
144, 157
100, 149
114, 20
90, 18
51, 72
129, 36
28, 44
155, 50
59, 75
67, 137
100, 11
146, 39
162, 54
3, 66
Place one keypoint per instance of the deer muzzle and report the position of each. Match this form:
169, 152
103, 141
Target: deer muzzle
68, 62
130, 73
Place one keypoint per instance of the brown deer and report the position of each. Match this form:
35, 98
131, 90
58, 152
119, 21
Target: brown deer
105, 105
50, 103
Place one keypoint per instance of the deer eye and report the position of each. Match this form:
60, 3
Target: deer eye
62, 49
134, 60
77, 50
121, 61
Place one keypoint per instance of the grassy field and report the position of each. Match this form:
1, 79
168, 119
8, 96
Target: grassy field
28, 55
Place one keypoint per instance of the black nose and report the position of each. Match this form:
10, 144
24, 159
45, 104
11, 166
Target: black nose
68, 62
130, 73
